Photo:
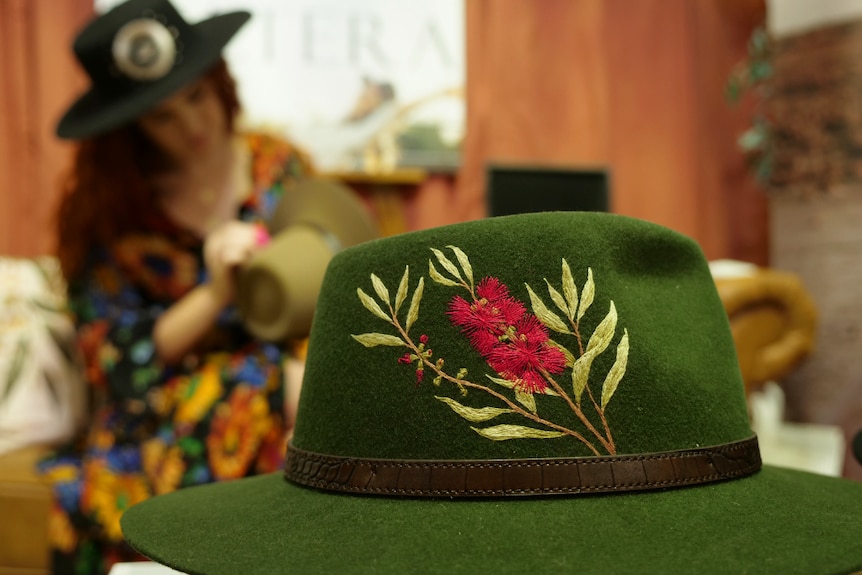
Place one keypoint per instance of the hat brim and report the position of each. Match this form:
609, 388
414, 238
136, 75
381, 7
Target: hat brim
94, 112
777, 521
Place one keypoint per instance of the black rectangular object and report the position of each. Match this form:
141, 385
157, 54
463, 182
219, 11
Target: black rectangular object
515, 189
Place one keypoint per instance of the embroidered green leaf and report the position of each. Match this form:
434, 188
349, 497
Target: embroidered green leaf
375, 339
570, 290
500, 381
435, 275
446, 263
371, 305
570, 358
526, 399
587, 294
413, 312
599, 341
558, 298
465, 263
503, 432
604, 333
546, 316
581, 373
402, 289
471, 413
381, 290
15, 368
617, 370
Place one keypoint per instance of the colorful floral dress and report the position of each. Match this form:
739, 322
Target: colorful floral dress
156, 428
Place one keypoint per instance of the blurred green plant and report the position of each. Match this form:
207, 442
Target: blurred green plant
753, 75
424, 136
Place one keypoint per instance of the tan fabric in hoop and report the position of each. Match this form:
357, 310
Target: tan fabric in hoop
560, 476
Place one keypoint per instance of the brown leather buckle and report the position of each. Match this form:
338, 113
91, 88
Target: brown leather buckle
513, 477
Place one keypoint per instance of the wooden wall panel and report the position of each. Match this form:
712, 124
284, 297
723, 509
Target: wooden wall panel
735, 208
653, 122
527, 100
40, 78
634, 84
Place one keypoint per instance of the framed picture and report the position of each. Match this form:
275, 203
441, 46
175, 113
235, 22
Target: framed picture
362, 85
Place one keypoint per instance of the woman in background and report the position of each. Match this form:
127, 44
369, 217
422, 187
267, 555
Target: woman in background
164, 201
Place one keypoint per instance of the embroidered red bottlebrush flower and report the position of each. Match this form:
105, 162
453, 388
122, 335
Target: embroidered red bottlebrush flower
526, 355
513, 342
516, 345
486, 317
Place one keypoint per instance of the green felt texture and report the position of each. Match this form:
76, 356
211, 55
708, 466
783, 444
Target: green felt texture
776, 522
681, 389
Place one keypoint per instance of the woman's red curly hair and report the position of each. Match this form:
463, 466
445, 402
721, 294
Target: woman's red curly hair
106, 193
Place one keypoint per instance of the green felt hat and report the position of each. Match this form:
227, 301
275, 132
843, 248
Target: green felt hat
541, 393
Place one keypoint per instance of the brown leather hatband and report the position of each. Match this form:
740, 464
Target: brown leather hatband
508, 477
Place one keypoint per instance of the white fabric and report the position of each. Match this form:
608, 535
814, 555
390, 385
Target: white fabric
142, 568
42, 393
726, 269
805, 446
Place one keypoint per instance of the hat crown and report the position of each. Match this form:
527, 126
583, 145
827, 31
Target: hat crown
530, 336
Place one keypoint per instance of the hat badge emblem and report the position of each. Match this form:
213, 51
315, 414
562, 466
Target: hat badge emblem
144, 49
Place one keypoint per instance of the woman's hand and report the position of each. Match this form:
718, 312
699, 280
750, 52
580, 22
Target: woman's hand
185, 323
226, 248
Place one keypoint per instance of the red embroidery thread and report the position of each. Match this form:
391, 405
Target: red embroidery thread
514, 342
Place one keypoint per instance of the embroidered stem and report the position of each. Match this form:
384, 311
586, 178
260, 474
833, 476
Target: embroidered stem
513, 406
601, 413
607, 443
577, 331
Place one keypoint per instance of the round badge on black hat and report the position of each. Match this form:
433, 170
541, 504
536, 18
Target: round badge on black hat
137, 54
144, 49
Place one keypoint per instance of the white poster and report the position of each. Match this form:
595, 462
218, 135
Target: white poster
360, 84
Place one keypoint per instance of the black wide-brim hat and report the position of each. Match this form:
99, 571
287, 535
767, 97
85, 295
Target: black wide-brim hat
540, 393
137, 54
